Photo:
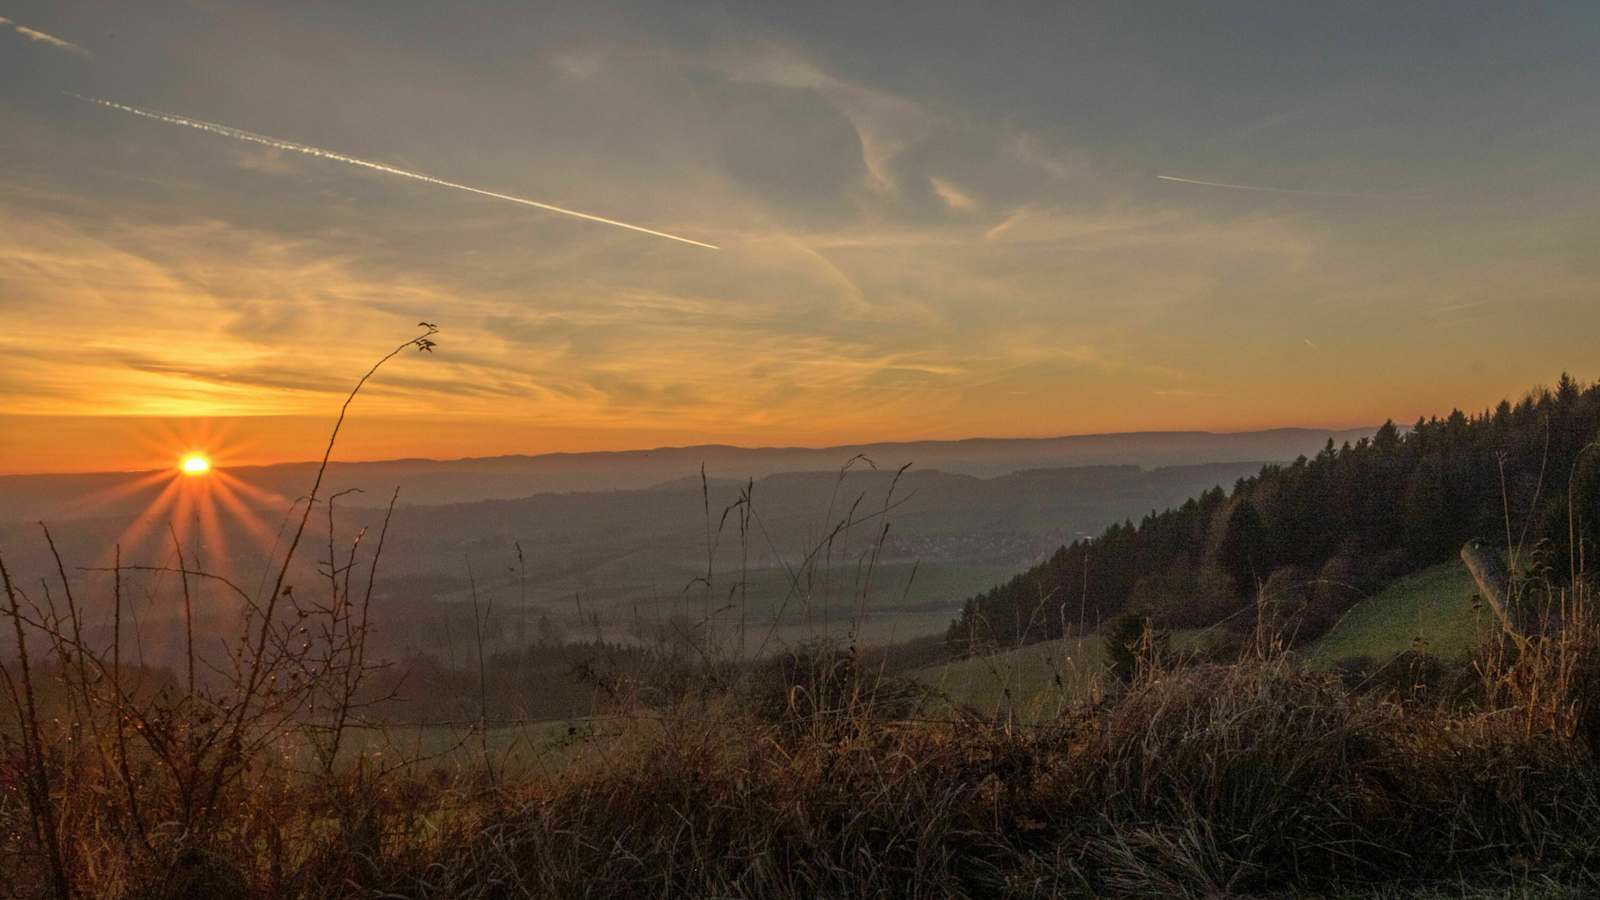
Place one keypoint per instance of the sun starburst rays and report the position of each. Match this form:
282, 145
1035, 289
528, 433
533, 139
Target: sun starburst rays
195, 501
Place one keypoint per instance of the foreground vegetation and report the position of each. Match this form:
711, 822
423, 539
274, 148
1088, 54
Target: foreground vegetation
810, 776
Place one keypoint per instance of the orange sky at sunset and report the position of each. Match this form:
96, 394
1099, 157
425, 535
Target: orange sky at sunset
990, 246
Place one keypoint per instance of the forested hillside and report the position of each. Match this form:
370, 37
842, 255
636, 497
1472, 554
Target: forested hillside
1316, 535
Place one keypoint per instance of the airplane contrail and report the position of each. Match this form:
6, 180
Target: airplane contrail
1267, 190
242, 135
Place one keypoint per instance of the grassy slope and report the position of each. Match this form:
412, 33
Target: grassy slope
1431, 611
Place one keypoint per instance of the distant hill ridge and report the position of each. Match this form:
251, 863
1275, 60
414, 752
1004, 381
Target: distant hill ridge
431, 481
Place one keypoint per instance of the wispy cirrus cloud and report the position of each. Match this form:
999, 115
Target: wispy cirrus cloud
885, 123
40, 37
953, 197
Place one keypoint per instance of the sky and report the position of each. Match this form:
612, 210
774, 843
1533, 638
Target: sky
931, 221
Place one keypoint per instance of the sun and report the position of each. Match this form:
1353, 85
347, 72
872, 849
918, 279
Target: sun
197, 496
194, 464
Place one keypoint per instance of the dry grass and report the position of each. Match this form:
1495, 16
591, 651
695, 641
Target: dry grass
1202, 780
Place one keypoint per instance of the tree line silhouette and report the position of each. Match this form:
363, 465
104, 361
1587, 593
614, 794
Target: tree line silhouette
1320, 533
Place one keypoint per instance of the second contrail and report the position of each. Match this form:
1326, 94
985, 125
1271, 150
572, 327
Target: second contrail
1260, 189
239, 134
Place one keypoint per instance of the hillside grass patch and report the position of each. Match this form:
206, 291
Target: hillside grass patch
1430, 612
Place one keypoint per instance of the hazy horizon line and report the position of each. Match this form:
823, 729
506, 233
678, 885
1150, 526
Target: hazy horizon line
775, 448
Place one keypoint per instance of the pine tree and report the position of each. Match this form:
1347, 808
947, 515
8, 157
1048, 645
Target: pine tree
1246, 553
1427, 533
1387, 438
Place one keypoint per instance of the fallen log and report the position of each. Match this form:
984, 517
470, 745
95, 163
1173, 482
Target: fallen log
1494, 586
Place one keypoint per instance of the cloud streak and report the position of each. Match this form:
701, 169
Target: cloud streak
308, 150
41, 37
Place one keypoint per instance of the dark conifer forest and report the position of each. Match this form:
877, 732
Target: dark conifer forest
1523, 476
